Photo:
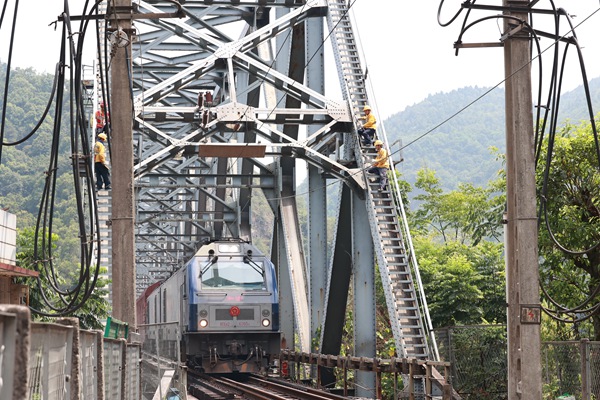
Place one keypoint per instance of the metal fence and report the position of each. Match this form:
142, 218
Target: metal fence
161, 356
477, 355
57, 361
570, 369
51, 362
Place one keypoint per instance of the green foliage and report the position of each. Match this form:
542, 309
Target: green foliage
478, 358
457, 241
468, 214
23, 167
459, 149
570, 229
95, 309
449, 279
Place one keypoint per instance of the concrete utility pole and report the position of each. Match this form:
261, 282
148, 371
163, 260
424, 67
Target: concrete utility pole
522, 274
123, 234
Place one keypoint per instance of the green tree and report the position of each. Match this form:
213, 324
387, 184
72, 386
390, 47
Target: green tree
568, 184
90, 314
450, 281
468, 215
457, 242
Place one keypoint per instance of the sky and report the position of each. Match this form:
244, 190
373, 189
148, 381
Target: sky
37, 42
408, 55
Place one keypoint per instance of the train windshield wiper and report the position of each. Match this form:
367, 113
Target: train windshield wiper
207, 266
254, 265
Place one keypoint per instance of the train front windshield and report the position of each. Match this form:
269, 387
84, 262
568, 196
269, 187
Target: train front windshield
233, 274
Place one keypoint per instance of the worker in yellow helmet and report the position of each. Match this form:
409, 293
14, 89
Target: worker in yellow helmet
100, 163
368, 130
380, 165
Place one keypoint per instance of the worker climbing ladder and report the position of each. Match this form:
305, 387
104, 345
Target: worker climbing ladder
391, 239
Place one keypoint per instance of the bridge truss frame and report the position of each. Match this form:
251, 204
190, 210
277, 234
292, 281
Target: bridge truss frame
228, 95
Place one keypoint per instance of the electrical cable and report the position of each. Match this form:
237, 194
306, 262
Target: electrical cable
51, 180
553, 103
70, 299
543, 196
4, 7
8, 67
43, 241
44, 114
445, 24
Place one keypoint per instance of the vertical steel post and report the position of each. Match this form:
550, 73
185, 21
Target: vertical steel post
363, 281
158, 362
586, 381
522, 275
317, 194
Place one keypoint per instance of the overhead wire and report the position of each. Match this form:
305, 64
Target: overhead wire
552, 96
105, 89
8, 66
551, 108
58, 299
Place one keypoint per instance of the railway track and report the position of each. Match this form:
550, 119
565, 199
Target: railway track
253, 387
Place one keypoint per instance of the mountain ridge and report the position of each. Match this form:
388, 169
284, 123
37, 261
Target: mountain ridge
454, 133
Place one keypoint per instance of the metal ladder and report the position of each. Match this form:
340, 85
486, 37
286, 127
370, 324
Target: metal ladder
382, 207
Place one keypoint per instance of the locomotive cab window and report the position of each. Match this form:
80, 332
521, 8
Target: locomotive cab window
221, 273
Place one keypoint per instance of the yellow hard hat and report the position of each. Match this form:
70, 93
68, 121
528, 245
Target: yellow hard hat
367, 108
102, 136
378, 143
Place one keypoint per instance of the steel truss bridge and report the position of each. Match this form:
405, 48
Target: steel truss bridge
229, 105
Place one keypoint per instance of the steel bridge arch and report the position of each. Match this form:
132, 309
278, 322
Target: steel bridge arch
227, 96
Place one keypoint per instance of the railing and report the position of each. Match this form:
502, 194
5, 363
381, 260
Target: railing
477, 353
412, 370
59, 361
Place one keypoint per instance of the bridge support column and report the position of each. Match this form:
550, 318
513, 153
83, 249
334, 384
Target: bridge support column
364, 295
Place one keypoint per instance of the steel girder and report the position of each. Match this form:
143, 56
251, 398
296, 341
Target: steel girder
217, 112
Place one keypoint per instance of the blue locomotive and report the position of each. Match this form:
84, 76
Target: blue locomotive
225, 300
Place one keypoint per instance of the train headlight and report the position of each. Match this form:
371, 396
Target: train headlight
266, 322
266, 313
203, 313
203, 323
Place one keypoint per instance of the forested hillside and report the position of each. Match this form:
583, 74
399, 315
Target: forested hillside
450, 133
24, 166
453, 133
454, 218
573, 105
